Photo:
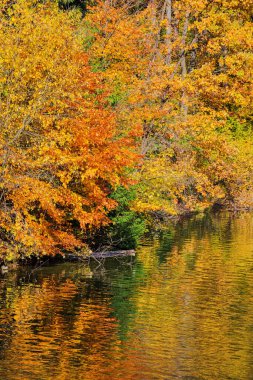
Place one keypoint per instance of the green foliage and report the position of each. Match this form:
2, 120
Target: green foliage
127, 225
116, 96
239, 130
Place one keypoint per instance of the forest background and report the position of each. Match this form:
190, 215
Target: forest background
113, 113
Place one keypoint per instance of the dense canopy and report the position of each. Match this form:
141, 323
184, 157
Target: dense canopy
98, 96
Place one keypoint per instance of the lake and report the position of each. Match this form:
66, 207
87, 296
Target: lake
182, 309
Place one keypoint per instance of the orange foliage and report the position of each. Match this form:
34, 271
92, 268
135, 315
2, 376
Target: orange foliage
183, 72
61, 150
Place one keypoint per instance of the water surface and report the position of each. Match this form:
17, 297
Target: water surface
183, 309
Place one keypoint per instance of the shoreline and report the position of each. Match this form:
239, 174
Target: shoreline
159, 221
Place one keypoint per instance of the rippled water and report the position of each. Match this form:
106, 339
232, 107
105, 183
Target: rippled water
183, 309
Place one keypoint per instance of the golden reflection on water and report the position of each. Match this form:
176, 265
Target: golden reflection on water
183, 310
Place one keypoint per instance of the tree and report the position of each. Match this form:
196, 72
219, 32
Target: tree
61, 152
182, 72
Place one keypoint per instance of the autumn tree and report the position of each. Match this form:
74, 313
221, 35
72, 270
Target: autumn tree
61, 153
182, 72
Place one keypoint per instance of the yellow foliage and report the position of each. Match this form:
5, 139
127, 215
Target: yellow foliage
60, 150
185, 75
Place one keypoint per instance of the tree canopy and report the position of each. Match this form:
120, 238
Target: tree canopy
152, 93
61, 151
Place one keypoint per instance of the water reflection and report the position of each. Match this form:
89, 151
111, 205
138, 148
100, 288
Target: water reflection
182, 310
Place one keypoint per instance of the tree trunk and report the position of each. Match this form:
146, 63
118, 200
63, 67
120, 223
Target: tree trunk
169, 30
184, 105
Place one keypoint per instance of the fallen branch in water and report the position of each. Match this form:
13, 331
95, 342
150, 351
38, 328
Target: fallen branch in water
101, 255
107, 254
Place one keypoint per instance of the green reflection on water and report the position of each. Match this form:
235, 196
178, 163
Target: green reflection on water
182, 310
